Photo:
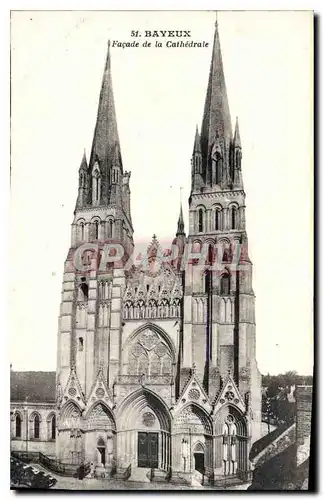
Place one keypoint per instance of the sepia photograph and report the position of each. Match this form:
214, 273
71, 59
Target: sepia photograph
161, 250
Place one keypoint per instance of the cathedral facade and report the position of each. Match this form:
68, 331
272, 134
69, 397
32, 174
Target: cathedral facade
156, 363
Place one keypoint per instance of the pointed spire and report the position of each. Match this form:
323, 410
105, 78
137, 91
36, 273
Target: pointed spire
105, 139
180, 228
237, 138
216, 117
84, 164
197, 145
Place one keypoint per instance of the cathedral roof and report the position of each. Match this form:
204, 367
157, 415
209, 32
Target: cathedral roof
216, 118
36, 386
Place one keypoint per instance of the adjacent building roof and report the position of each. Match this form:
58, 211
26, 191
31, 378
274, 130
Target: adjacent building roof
38, 387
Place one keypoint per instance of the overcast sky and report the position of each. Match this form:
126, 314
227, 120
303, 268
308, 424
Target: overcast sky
57, 64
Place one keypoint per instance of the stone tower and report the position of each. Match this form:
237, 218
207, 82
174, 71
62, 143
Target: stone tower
219, 312
91, 306
156, 362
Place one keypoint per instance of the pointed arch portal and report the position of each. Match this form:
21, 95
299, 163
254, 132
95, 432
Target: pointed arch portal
100, 435
199, 457
145, 424
192, 445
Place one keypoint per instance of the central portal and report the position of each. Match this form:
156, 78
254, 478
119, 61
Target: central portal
147, 449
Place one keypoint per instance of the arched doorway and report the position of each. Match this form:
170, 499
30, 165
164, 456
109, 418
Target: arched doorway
199, 458
144, 438
100, 438
101, 447
193, 440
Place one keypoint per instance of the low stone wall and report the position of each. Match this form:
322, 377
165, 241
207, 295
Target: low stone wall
46, 447
283, 441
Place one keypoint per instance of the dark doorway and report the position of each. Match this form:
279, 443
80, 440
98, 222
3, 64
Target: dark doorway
147, 449
199, 462
102, 450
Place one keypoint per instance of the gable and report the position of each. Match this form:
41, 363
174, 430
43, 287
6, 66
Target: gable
229, 395
193, 392
100, 392
73, 390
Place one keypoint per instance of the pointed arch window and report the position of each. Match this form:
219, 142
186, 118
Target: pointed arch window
97, 190
238, 160
36, 426
18, 421
96, 184
218, 168
233, 218
200, 220
225, 284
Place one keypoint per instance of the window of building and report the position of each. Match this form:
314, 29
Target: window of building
217, 220
206, 282
96, 226
110, 228
196, 164
97, 190
210, 255
218, 170
84, 291
82, 231
238, 159
200, 220
18, 425
234, 217
226, 255
53, 427
96, 186
36, 426
80, 344
225, 284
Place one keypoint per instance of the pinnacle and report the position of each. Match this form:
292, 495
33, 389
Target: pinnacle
237, 138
